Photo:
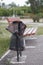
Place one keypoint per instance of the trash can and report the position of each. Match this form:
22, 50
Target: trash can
17, 29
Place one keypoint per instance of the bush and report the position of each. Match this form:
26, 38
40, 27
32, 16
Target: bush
40, 15
4, 12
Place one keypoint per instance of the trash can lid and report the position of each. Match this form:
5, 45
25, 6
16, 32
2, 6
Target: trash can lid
13, 19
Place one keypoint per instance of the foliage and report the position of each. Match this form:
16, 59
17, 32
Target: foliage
21, 11
12, 4
15, 11
4, 12
40, 15
34, 5
36, 8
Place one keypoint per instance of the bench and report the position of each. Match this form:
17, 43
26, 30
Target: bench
29, 33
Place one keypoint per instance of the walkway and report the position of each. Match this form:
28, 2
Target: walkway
33, 53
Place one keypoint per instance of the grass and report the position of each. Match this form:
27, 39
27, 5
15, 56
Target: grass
5, 37
4, 45
40, 31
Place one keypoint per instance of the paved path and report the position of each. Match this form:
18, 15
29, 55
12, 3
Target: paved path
34, 53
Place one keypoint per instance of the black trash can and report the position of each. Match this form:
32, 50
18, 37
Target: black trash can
16, 42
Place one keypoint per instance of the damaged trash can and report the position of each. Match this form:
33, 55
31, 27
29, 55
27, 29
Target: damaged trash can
17, 29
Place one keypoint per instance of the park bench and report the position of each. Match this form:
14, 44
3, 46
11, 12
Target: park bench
29, 33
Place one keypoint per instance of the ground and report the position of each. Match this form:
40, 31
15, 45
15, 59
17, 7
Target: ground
34, 53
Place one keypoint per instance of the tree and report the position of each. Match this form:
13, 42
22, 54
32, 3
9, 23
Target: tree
41, 2
3, 4
12, 4
35, 7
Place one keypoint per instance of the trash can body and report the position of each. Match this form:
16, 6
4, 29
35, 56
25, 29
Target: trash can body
16, 43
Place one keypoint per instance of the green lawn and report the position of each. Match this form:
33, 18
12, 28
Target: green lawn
5, 37
40, 31
4, 45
